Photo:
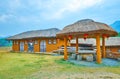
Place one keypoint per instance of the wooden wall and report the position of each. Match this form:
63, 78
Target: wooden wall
15, 46
37, 46
49, 47
25, 45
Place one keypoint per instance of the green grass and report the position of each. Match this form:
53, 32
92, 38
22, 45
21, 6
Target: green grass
35, 66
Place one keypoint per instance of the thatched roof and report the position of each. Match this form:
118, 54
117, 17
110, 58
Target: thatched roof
36, 34
87, 26
112, 41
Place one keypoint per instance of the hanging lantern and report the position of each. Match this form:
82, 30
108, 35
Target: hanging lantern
85, 36
105, 35
70, 37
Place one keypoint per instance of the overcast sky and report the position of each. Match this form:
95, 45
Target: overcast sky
17, 16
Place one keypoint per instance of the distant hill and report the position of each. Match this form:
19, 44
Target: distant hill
116, 26
4, 42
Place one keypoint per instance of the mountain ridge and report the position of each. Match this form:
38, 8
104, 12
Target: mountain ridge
116, 25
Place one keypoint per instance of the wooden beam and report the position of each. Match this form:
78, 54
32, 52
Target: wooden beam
103, 47
77, 45
65, 48
98, 48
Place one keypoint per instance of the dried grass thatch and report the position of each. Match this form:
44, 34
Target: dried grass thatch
35, 34
87, 26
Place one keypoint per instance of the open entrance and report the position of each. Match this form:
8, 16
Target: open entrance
21, 46
30, 46
43, 46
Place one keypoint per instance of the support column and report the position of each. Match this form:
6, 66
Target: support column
65, 49
103, 47
76, 45
98, 48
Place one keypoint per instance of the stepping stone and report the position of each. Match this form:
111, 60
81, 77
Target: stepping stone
73, 56
79, 58
89, 58
118, 59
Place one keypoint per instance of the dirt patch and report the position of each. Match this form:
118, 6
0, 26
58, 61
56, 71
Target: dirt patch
73, 75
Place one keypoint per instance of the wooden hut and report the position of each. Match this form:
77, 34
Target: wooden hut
87, 28
36, 41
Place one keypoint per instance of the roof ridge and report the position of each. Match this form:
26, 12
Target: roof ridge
36, 33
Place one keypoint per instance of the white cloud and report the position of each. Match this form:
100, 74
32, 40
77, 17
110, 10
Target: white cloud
5, 17
27, 19
69, 6
48, 9
14, 5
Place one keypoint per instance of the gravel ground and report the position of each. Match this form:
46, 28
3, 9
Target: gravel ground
105, 62
57, 74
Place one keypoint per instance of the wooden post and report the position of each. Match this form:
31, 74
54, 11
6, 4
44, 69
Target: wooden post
98, 48
65, 49
103, 47
76, 45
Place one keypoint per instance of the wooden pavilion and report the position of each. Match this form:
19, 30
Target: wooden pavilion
87, 28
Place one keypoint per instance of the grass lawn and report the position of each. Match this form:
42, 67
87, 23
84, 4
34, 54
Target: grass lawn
35, 66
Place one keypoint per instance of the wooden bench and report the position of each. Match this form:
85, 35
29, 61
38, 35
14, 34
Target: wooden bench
115, 55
